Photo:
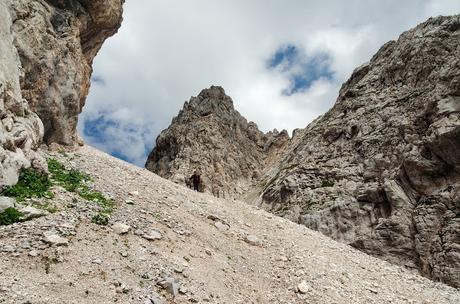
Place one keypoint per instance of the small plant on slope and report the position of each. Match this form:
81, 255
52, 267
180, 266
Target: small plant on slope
31, 183
10, 216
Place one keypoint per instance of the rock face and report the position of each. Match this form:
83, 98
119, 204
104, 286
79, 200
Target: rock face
21, 130
379, 171
210, 136
57, 41
46, 51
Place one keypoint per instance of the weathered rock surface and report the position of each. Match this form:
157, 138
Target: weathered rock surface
21, 130
46, 51
210, 136
379, 171
6, 202
57, 41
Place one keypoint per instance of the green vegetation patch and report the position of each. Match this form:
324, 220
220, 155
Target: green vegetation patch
10, 216
31, 184
101, 218
75, 181
34, 184
71, 180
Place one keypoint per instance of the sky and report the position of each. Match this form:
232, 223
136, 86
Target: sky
281, 61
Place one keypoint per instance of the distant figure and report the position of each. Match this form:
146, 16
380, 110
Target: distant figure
195, 178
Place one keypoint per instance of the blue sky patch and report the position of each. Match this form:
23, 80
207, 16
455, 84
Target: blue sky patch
118, 139
300, 68
96, 79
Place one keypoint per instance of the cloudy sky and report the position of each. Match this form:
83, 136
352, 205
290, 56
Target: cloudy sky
282, 61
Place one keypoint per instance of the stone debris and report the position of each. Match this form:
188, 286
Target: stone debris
30, 212
222, 227
121, 228
205, 266
303, 287
53, 238
252, 240
134, 193
170, 285
154, 299
153, 235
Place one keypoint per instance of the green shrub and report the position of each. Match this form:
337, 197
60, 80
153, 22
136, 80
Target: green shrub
101, 219
10, 216
31, 183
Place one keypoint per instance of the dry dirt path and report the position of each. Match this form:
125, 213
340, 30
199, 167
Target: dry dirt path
210, 251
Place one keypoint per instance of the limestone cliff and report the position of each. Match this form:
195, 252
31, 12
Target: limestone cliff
210, 136
57, 41
46, 51
379, 171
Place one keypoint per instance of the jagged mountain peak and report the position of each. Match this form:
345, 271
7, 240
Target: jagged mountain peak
379, 170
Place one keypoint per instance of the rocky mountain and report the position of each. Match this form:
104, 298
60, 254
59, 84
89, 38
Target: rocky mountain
379, 171
46, 51
210, 136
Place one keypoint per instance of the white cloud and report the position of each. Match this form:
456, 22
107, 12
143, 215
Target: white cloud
168, 50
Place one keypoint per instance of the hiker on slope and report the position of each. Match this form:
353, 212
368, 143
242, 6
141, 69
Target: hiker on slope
196, 180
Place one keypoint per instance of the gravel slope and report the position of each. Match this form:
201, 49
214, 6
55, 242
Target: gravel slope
217, 251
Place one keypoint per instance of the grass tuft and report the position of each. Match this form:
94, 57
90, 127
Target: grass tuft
10, 216
31, 184
71, 180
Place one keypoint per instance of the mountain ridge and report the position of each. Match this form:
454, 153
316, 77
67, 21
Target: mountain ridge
379, 170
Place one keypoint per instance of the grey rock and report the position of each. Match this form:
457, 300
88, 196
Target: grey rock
6, 202
170, 285
154, 299
252, 240
53, 238
33, 253
303, 287
121, 228
153, 235
222, 227
379, 171
30, 212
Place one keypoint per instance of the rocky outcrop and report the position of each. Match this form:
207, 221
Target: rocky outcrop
21, 130
380, 170
46, 51
57, 41
210, 136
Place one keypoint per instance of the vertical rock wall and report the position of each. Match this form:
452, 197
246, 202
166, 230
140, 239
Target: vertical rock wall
46, 50
21, 130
